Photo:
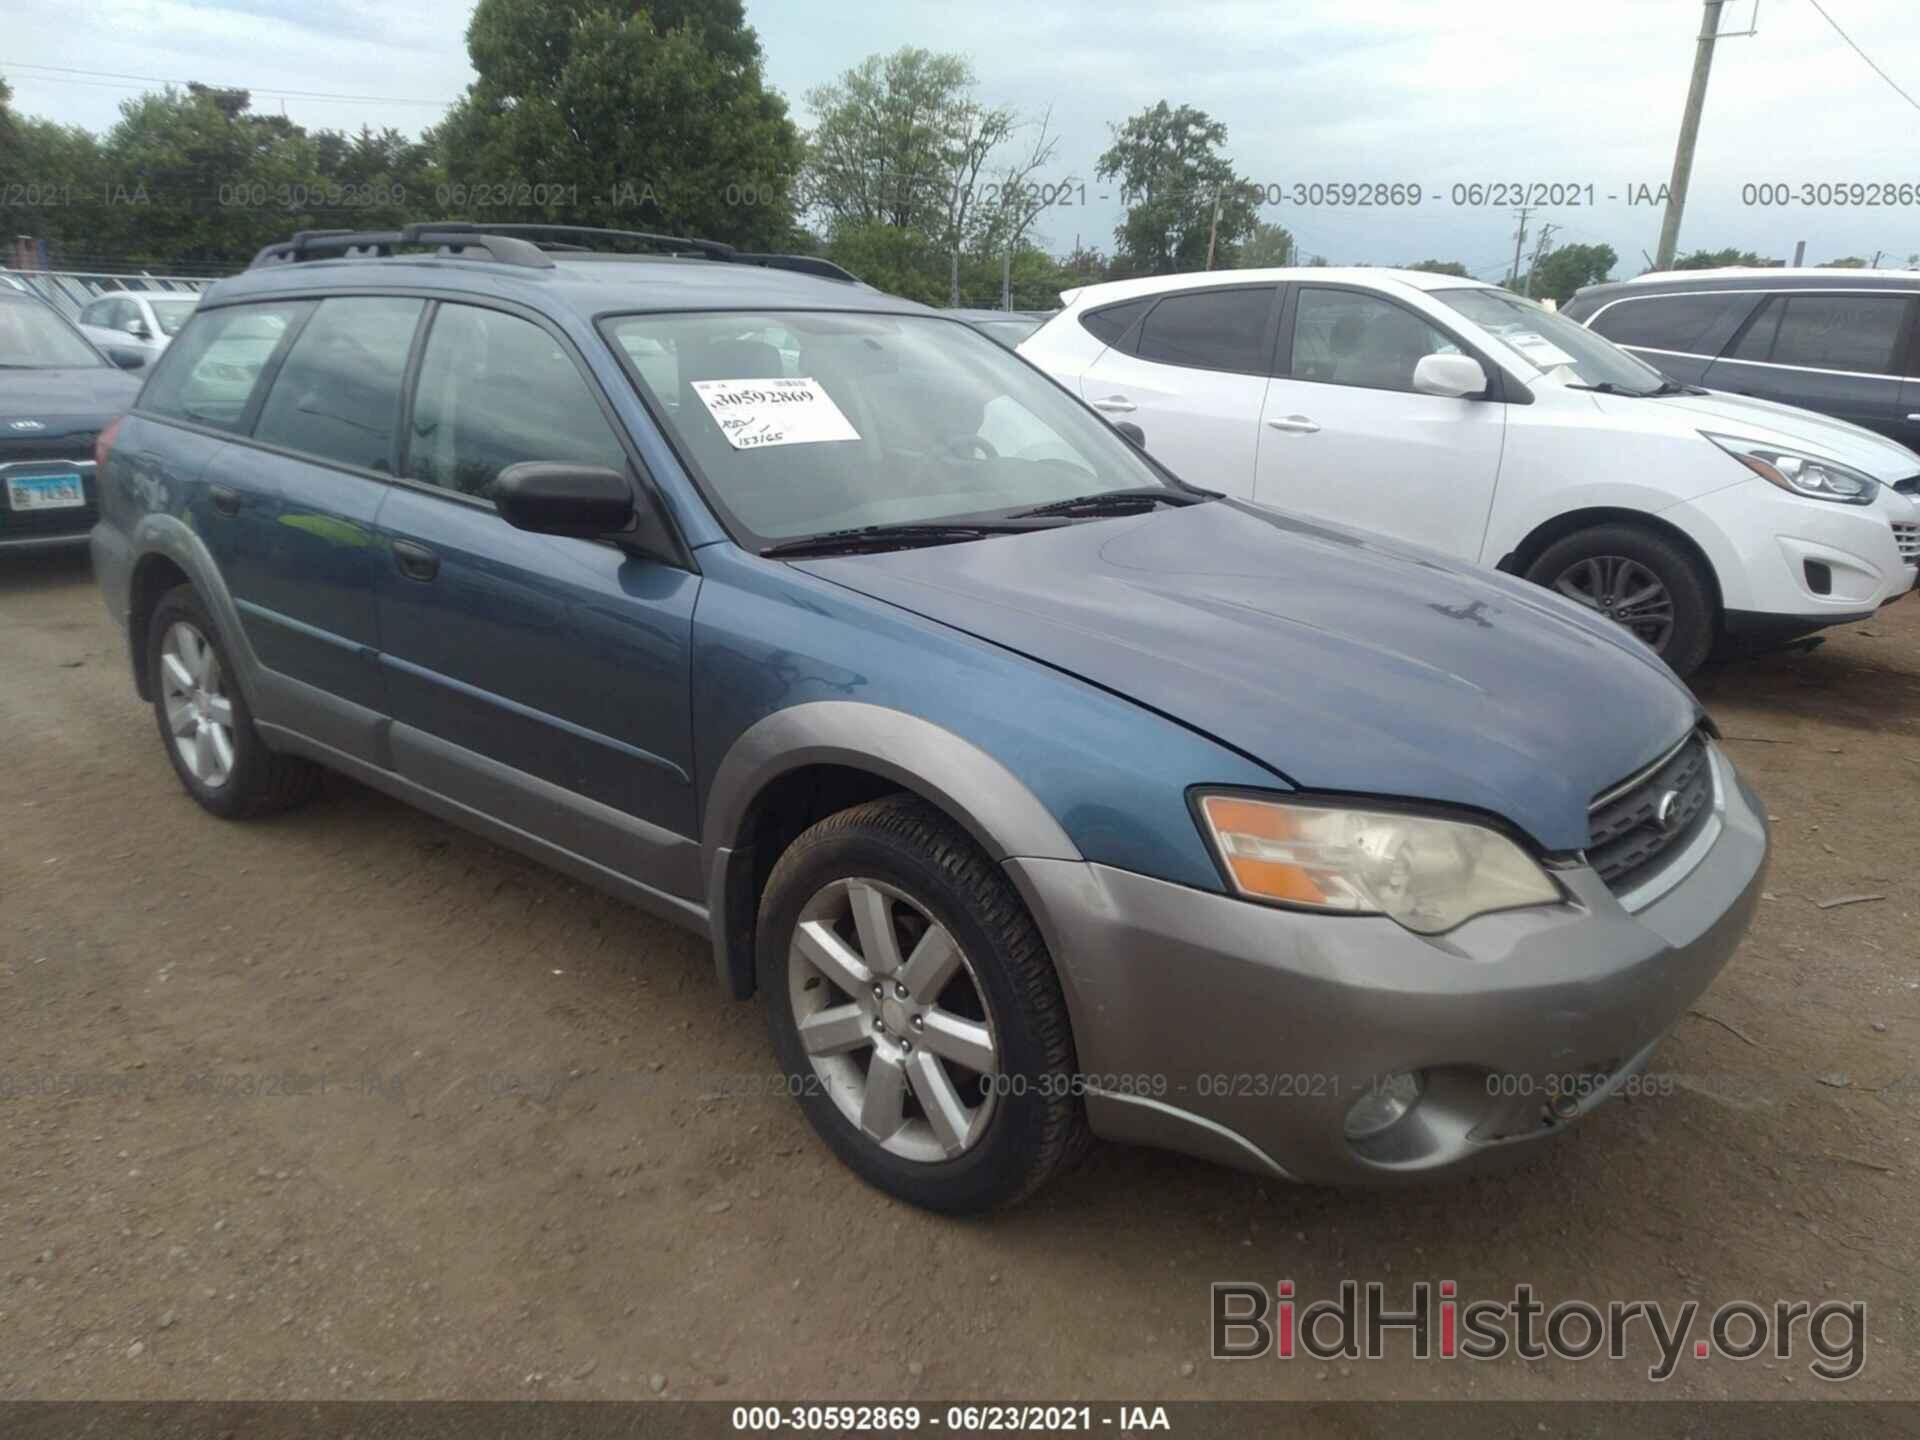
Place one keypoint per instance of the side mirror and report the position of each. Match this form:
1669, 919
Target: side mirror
1451, 375
137, 328
558, 497
1135, 436
126, 359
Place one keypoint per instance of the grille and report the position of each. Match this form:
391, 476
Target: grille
77, 446
1906, 535
1626, 839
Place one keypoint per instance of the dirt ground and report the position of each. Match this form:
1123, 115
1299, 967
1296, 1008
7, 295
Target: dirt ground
351, 1104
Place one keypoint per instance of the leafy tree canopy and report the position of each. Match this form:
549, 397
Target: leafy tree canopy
1174, 176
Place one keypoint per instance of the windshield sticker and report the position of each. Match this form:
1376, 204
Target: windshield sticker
1537, 348
753, 414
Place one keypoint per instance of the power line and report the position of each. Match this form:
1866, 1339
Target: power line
109, 75
1863, 54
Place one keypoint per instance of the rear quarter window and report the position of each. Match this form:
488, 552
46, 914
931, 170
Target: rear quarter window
1687, 324
209, 373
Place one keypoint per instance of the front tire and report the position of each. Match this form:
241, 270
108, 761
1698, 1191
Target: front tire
1642, 581
912, 1003
204, 721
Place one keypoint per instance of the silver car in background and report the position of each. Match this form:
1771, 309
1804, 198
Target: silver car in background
136, 320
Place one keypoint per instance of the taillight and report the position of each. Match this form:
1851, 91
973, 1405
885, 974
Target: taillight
103, 444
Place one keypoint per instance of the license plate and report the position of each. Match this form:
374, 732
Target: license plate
45, 492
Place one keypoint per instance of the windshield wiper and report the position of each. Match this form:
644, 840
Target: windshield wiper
1607, 387
891, 537
1117, 502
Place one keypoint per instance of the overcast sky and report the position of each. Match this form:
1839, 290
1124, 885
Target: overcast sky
1427, 91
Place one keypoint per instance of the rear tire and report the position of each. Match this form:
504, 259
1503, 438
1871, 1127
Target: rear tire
1643, 581
949, 1084
204, 722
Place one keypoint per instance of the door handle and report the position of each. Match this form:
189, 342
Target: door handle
416, 562
1116, 405
1294, 425
225, 499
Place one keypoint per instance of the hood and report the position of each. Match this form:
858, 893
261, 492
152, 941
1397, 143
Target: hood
93, 393
1787, 426
1337, 660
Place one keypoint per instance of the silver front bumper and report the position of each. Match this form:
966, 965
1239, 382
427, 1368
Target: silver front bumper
1244, 1033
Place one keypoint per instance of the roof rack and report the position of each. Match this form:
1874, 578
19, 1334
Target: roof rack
453, 237
526, 245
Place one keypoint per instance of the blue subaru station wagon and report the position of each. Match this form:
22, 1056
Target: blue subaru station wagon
1040, 795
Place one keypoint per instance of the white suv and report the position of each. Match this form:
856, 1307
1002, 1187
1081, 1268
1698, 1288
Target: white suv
1459, 416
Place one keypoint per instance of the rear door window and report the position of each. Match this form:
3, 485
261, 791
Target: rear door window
1855, 333
1210, 330
208, 375
337, 397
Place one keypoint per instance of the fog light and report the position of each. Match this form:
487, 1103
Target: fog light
1383, 1106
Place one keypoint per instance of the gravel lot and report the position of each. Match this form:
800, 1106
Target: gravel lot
351, 1104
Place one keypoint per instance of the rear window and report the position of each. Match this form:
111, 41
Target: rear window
1858, 333
1683, 323
1209, 330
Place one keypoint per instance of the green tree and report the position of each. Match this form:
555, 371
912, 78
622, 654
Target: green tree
1563, 270
903, 141
1440, 267
1267, 246
1175, 182
607, 112
1719, 259
1846, 262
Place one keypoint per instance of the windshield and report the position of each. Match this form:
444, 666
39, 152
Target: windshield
806, 424
172, 314
1551, 342
32, 337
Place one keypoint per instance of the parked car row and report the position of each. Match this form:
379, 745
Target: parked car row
1043, 792
1458, 416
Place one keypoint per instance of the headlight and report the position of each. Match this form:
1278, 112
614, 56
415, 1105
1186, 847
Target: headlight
1426, 873
1813, 476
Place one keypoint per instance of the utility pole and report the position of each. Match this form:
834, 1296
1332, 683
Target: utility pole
1519, 239
1539, 251
1689, 132
1799, 253
1006, 278
1213, 230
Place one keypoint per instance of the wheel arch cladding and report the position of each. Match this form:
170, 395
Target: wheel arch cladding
797, 765
1551, 532
164, 544
154, 574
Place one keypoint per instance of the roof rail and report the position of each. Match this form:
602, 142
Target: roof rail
457, 237
804, 264
514, 243
712, 249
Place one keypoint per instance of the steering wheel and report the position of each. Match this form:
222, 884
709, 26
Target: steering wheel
972, 446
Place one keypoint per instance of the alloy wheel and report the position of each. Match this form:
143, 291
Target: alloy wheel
1623, 590
894, 1020
199, 711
